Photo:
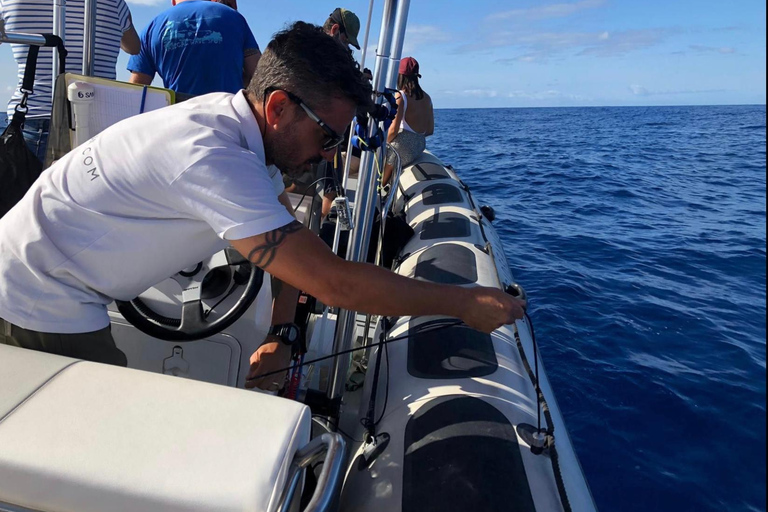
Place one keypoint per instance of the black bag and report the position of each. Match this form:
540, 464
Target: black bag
20, 167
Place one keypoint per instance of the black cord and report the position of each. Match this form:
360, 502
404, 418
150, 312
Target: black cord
431, 328
536, 368
309, 187
386, 389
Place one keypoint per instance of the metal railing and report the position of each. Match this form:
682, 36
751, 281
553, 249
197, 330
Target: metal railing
329, 480
394, 18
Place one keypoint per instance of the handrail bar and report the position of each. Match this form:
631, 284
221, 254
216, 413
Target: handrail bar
329, 480
22, 38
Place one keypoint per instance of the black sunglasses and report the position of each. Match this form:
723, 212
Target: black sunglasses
334, 139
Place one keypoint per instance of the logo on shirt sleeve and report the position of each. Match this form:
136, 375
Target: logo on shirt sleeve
89, 164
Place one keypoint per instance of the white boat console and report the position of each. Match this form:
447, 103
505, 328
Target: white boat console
81, 436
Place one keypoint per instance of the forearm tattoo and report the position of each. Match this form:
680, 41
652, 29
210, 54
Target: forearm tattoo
263, 255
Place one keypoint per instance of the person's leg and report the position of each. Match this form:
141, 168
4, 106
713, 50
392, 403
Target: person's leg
330, 180
409, 146
97, 346
36, 136
328, 198
390, 160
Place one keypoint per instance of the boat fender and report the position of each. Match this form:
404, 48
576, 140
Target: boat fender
488, 212
517, 292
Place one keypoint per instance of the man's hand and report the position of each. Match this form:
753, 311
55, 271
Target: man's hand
271, 356
489, 308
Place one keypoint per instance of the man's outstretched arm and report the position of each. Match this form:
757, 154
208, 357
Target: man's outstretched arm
297, 256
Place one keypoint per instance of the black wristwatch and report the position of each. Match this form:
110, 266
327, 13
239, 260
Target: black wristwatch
288, 333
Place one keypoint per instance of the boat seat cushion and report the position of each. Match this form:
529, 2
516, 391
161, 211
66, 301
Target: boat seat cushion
81, 436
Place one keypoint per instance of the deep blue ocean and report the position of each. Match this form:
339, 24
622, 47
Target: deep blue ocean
639, 235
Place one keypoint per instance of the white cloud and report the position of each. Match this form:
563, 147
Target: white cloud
146, 2
417, 36
620, 43
546, 44
639, 90
544, 97
480, 93
725, 50
546, 11
548, 94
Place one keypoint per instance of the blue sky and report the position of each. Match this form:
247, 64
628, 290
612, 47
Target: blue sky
502, 53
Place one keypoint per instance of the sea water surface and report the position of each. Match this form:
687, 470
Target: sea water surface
639, 235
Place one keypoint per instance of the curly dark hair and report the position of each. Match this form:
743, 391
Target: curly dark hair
306, 61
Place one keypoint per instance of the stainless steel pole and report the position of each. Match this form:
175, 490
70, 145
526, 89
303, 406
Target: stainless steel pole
89, 39
397, 43
59, 29
364, 208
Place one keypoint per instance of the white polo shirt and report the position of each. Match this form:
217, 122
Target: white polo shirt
145, 198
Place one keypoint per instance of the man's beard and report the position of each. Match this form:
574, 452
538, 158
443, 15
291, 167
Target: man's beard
282, 148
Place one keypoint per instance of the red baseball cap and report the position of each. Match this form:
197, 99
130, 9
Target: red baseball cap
409, 66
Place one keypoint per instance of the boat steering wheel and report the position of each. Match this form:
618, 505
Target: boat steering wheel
193, 324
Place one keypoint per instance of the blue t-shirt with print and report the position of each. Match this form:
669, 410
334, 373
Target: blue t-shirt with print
196, 47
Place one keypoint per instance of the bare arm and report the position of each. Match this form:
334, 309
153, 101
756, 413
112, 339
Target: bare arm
140, 78
286, 201
249, 66
130, 42
431, 127
394, 128
295, 255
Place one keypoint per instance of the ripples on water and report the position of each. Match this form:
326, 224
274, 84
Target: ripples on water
639, 234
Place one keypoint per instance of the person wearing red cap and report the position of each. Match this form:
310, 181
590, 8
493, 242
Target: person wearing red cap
414, 121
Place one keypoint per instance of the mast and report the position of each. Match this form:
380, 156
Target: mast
59, 23
89, 39
394, 19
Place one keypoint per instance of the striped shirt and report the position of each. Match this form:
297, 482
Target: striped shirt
36, 17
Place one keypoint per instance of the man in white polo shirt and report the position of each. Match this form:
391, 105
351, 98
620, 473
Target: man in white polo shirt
164, 190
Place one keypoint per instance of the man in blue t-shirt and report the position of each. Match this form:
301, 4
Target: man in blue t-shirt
197, 47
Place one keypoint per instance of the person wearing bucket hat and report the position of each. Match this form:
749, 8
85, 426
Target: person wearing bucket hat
344, 26
414, 121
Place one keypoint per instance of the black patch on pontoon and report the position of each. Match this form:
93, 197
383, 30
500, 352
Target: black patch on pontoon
462, 454
425, 172
445, 225
447, 264
451, 353
440, 193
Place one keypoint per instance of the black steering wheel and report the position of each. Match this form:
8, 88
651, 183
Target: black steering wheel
207, 280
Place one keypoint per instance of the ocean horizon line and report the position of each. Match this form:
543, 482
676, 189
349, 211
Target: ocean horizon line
606, 106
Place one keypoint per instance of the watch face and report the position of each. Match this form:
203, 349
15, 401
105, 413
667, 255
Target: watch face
293, 333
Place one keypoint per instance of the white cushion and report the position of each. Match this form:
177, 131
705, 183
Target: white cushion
94, 437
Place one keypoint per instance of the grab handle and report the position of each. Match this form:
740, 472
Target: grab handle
332, 444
